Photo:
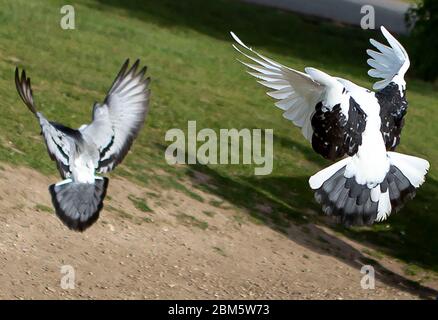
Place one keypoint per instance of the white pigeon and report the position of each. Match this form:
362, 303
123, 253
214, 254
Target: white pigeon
340, 119
94, 148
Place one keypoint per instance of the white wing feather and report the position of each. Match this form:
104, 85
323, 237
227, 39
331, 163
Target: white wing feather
59, 145
388, 63
117, 122
60, 140
296, 91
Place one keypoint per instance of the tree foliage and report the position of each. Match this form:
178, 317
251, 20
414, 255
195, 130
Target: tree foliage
424, 39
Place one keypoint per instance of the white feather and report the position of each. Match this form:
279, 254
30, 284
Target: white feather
322, 176
413, 168
384, 207
375, 193
297, 92
389, 64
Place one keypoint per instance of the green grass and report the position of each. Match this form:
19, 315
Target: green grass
127, 216
42, 207
216, 203
123, 214
239, 219
147, 220
189, 220
373, 253
209, 213
412, 270
139, 203
220, 251
195, 76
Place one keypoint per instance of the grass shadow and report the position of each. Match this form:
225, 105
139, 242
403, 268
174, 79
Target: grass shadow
273, 29
265, 200
411, 235
305, 150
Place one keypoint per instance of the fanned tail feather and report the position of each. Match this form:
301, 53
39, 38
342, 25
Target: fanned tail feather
357, 204
78, 204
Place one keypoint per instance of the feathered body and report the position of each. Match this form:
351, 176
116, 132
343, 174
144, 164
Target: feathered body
341, 119
97, 147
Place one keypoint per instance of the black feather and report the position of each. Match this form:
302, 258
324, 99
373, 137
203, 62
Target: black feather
334, 135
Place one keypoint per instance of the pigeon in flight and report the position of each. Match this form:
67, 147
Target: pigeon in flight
97, 147
345, 121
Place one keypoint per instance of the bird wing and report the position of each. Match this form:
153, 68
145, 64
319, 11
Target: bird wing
318, 103
296, 91
388, 63
60, 140
117, 122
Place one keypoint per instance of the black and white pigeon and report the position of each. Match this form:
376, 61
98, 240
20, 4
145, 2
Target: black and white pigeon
97, 147
343, 120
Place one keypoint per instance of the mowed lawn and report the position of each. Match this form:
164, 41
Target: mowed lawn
195, 76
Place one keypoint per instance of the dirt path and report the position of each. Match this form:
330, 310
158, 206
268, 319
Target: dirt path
182, 249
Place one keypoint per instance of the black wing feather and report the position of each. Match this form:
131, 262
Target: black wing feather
122, 100
393, 108
24, 89
333, 134
58, 138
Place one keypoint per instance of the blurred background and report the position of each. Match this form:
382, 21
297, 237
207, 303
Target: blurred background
195, 76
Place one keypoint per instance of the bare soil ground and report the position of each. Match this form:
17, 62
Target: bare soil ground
180, 249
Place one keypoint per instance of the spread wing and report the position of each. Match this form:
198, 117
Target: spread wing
60, 140
117, 122
318, 103
390, 64
296, 92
